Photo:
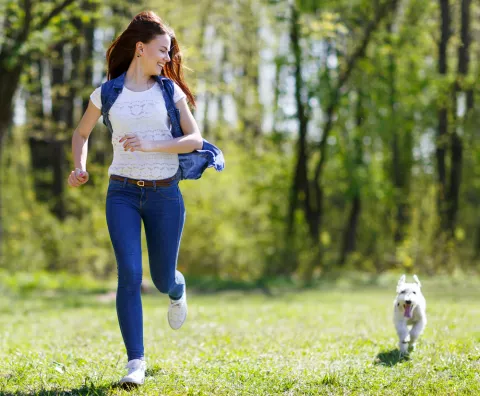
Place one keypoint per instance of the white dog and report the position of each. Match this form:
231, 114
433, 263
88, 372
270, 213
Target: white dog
409, 310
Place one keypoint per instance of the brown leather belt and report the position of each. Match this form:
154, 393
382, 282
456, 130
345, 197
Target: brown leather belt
145, 183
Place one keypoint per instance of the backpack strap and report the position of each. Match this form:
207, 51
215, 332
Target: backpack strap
106, 106
109, 93
168, 89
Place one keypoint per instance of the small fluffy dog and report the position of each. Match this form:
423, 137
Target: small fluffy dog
409, 311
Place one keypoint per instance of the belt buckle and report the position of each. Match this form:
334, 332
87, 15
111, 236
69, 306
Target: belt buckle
140, 183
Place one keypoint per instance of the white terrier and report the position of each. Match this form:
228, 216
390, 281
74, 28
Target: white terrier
409, 309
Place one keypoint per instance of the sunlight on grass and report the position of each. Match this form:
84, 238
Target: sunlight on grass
309, 342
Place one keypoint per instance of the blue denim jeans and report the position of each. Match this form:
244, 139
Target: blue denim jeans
163, 213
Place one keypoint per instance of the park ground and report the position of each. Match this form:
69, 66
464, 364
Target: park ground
333, 339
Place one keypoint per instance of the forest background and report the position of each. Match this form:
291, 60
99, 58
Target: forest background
349, 130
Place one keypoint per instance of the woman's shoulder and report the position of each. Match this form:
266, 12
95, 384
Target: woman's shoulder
96, 97
178, 93
97, 92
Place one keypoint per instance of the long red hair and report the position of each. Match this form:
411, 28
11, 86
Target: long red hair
145, 27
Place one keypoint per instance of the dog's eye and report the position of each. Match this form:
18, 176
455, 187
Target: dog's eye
403, 291
414, 292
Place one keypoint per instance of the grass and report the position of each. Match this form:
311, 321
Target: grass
328, 341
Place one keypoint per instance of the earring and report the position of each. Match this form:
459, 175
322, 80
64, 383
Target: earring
138, 55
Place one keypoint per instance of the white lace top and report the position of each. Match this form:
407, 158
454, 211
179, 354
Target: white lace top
143, 113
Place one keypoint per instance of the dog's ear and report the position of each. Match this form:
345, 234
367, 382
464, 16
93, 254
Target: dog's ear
417, 281
400, 283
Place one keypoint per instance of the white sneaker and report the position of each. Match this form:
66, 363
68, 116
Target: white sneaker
136, 372
177, 312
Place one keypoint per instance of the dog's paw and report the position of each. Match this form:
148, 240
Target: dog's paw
403, 349
411, 347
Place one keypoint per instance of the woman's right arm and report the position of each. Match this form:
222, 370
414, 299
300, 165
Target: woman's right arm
80, 136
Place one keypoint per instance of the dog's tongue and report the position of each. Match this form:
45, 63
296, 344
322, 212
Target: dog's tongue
408, 309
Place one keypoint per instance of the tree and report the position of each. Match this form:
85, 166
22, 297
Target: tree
22, 21
311, 185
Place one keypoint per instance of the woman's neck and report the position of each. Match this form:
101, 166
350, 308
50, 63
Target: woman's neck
136, 79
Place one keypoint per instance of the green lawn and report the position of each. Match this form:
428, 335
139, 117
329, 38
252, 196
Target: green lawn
328, 341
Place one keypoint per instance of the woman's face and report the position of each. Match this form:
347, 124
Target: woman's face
154, 55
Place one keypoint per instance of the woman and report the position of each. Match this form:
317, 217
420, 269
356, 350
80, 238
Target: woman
144, 173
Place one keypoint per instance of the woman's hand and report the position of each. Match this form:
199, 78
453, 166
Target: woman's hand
134, 143
77, 178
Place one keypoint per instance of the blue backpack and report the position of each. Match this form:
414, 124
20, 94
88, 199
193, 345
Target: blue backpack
192, 165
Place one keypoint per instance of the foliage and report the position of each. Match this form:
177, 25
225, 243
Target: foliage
380, 150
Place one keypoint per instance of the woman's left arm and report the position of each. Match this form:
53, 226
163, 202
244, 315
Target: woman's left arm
190, 141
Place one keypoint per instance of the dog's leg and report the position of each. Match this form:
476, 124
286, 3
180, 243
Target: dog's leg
417, 329
403, 336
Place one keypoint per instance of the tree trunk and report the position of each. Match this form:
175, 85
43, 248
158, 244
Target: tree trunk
62, 113
349, 234
350, 230
206, 120
59, 177
442, 133
456, 140
401, 164
299, 182
87, 50
455, 181
9, 80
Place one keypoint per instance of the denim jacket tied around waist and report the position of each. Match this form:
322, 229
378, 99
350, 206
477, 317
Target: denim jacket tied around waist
192, 165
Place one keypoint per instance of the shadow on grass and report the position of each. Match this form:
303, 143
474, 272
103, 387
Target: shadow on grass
91, 390
391, 358
101, 390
